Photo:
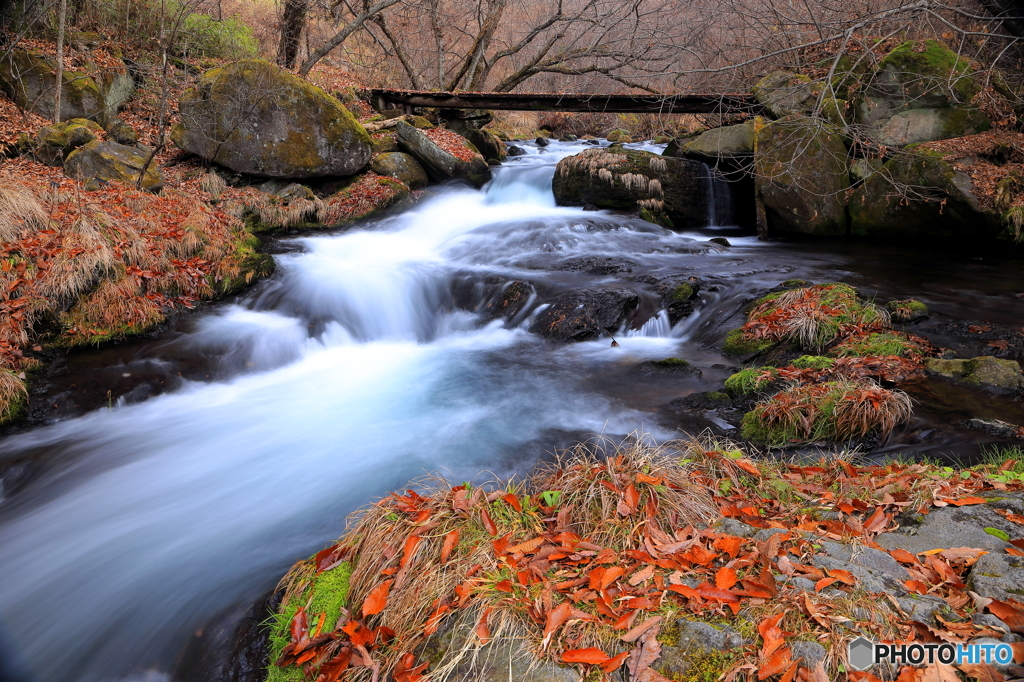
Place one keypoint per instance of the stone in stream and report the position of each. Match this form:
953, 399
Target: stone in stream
584, 314
440, 164
109, 161
949, 210
987, 373
727, 142
514, 150
254, 117
801, 176
401, 166
668, 191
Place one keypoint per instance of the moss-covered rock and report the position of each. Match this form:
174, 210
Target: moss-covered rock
440, 164
985, 372
253, 117
921, 91
727, 142
813, 362
665, 190
107, 161
29, 78
941, 204
737, 343
801, 175
121, 132
54, 143
907, 310
384, 141
401, 166
751, 381
784, 93
877, 343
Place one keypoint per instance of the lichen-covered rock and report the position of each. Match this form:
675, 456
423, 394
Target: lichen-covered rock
402, 167
943, 204
121, 132
384, 141
54, 143
784, 93
440, 164
936, 530
664, 190
927, 78
29, 78
986, 372
470, 124
801, 175
691, 649
727, 142
584, 314
110, 161
254, 117
998, 576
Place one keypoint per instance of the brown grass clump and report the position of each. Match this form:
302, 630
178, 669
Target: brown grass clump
12, 393
116, 308
20, 212
496, 563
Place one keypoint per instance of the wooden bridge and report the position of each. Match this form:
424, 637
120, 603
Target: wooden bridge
517, 101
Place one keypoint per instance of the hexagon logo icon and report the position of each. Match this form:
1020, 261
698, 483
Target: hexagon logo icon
861, 654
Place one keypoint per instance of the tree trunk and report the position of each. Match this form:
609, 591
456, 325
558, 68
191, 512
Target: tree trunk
61, 18
293, 21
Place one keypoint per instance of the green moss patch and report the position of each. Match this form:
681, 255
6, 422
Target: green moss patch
751, 380
813, 362
737, 343
878, 343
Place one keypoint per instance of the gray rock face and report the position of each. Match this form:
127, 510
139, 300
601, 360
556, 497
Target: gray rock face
439, 164
289, 191
584, 314
950, 527
923, 125
873, 559
987, 372
29, 78
998, 576
784, 93
109, 161
727, 142
694, 637
812, 653
735, 528
120, 132
254, 117
870, 579
802, 176
402, 167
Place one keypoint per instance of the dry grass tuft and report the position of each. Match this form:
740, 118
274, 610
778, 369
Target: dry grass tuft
12, 393
84, 256
20, 212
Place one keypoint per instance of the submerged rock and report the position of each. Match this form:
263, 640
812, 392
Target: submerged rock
802, 177
107, 161
584, 314
664, 190
254, 117
986, 372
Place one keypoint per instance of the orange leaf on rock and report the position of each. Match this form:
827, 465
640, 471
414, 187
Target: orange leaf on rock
780, 660
590, 656
966, 500
554, 619
771, 634
483, 630
728, 544
842, 576
377, 599
904, 557
450, 541
823, 583
1011, 614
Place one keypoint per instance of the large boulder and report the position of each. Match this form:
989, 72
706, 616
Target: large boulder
665, 190
54, 143
920, 75
29, 78
584, 314
801, 175
254, 117
401, 166
470, 124
727, 142
784, 93
918, 195
110, 161
461, 160
988, 373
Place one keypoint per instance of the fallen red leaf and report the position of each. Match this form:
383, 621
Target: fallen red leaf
450, 541
377, 599
590, 656
488, 523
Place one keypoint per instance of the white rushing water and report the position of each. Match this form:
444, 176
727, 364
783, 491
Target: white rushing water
155, 516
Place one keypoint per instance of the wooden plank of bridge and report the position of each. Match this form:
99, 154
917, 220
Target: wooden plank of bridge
515, 101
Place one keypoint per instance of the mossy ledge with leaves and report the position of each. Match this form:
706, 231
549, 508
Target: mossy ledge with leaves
692, 560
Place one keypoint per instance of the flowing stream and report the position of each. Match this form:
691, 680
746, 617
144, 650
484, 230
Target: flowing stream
236, 442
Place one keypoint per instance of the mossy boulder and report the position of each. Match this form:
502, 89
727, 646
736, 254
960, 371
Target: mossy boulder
121, 132
801, 175
737, 343
384, 141
664, 190
727, 142
489, 144
402, 167
110, 161
254, 117
440, 164
907, 310
921, 91
29, 78
54, 143
987, 372
918, 195
784, 93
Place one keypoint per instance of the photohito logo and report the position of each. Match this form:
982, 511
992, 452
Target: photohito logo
862, 653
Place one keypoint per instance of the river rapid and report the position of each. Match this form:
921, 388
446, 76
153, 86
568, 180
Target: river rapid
181, 475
